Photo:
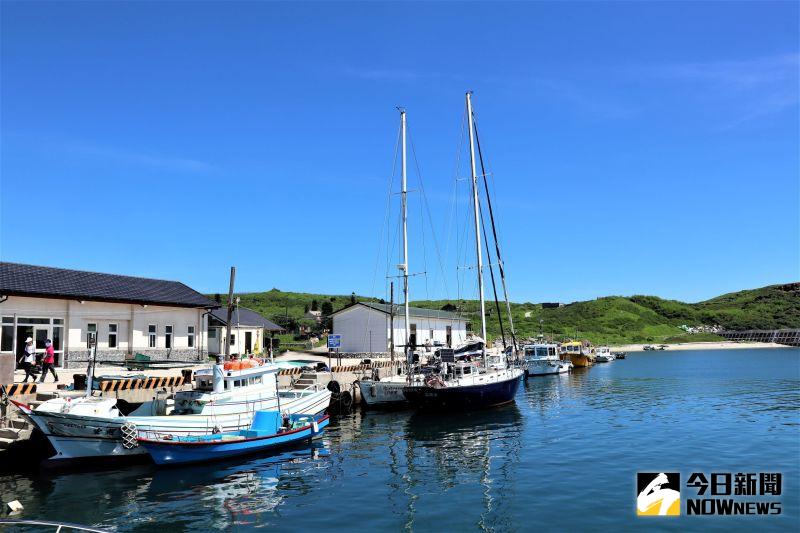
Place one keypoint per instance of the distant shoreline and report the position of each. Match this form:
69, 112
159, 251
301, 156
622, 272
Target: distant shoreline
726, 345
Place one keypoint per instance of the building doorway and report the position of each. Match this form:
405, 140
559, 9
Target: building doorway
248, 342
23, 332
449, 338
412, 337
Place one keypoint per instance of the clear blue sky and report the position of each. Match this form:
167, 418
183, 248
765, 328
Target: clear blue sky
636, 147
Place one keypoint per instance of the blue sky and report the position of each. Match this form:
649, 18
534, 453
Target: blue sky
635, 147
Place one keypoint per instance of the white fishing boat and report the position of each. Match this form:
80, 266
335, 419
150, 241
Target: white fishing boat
542, 359
223, 399
602, 354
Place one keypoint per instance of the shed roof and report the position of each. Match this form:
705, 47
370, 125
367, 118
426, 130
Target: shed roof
18, 279
416, 312
243, 316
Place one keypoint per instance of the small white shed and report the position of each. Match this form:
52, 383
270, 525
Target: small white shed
365, 327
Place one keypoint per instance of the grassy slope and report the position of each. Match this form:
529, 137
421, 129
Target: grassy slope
613, 319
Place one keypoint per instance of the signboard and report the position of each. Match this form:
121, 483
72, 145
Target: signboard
448, 355
334, 341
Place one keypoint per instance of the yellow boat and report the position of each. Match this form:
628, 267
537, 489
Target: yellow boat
575, 352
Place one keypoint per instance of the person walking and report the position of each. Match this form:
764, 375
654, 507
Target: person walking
49, 361
28, 360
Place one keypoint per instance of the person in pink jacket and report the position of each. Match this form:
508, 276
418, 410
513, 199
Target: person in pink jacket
49, 361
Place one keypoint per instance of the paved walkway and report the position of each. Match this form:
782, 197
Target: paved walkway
65, 375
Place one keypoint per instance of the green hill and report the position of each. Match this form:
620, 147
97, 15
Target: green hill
612, 319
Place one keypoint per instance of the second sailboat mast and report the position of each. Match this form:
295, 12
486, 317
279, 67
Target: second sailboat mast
476, 207
404, 266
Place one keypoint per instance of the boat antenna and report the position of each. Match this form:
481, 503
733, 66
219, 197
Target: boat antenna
230, 316
404, 265
391, 322
477, 216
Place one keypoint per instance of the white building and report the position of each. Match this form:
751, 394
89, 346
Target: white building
126, 315
365, 327
250, 333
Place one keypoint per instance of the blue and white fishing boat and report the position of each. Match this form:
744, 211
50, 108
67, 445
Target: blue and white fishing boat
269, 431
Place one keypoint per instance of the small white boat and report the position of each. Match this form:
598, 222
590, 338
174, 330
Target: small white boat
603, 354
542, 359
223, 400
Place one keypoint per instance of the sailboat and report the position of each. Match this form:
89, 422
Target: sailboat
464, 385
386, 392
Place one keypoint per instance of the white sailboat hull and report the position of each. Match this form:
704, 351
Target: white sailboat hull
382, 393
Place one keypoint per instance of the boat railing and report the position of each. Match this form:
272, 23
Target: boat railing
57, 526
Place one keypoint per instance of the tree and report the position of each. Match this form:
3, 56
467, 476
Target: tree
353, 298
449, 307
314, 305
327, 308
305, 309
217, 298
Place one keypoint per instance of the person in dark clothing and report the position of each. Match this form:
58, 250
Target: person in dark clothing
49, 361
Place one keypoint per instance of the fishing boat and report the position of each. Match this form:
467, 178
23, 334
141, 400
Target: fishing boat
460, 384
542, 359
224, 398
269, 431
577, 354
602, 354
620, 355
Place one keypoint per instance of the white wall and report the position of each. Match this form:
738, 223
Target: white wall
424, 327
360, 328
356, 323
238, 346
132, 321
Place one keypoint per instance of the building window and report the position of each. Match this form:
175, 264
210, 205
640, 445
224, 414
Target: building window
91, 334
412, 336
7, 339
233, 339
151, 334
212, 333
430, 335
449, 337
190, 337
112, 335
168, 337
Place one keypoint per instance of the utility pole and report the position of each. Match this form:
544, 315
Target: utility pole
230, 315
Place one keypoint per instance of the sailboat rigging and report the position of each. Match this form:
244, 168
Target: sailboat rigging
463, 385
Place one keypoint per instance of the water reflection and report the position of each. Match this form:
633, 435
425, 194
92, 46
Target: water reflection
461, 449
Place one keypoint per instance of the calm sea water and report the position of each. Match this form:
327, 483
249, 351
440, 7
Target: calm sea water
564, 457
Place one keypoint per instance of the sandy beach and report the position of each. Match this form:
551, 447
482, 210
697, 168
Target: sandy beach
700, 346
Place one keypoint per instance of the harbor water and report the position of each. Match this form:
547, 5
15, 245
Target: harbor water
563, 457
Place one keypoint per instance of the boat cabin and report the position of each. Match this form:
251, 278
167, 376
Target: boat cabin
541, 351
210, 382
496, 361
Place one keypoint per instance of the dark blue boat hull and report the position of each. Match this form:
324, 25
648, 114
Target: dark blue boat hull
463, 398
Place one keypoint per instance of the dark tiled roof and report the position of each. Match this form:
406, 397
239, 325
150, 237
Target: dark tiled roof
47, 282
245, 317
417, 312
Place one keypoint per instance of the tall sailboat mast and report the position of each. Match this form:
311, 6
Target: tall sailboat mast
404, 266
476, 207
